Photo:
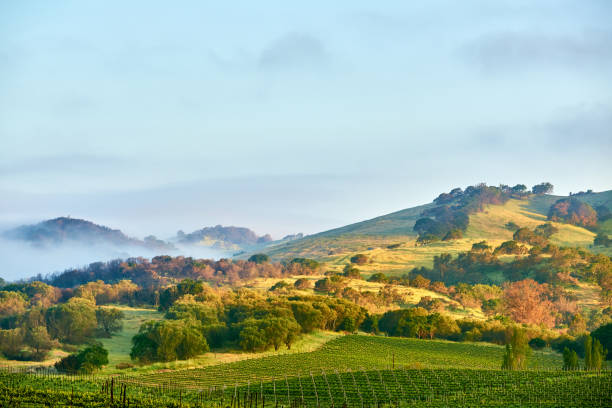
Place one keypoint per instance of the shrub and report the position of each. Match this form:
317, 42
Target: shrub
303, 284
89, 359
359, 259
378, 277
573, 211
168, 340
537, 343
259, 258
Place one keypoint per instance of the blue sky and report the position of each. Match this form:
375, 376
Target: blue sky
153, 116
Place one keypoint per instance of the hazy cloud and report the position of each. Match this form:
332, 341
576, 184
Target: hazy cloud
508, 51
60, 164
584, 125
294, 50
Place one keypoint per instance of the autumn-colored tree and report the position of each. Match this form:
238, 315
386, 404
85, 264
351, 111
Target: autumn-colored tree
573, 211
527, 301
12, 303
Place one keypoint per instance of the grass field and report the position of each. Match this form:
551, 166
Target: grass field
336, 247
373, 236
120, 344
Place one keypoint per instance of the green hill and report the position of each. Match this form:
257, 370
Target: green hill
389, 240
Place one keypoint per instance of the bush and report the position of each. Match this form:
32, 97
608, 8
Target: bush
378, 277
303, 284
453, 234
168, 340
537, 343
359, 259
89, 359
259, 258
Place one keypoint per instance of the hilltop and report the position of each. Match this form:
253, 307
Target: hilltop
391, 242
226, 238
63, 230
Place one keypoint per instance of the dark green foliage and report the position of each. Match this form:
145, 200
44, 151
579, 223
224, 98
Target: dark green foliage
455, 233
481, 246
307, 316
302, 284
378, 277
510, 248
603, 213
604, 335
602, 239
427, 238
109, 320
594, 354
330, 284
257, 335
73, 322
350, 271
12, 343
512, 226
360, 259
199, 312
542, 188
546, 230
186, 287
306, 263
530, 237
570, 360
537, 343
89, 359
415, 322
448, 221
517, 351
280, 285
259, 258
168, 340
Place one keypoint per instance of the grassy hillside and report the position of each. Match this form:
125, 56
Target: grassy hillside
411, 295
120, 344
372, 237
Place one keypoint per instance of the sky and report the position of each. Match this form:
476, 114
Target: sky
154, 116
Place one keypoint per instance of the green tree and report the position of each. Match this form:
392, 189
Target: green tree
12, 342
360, 259
40, 342
307, 316
168, 340
517, 351
109, 320
252, 337
91, 358
542, 188
604, 335
259, 258
594, 354
73, 322
570, 359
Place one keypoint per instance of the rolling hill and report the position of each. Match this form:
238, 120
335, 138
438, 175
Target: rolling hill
389, 240
63, 230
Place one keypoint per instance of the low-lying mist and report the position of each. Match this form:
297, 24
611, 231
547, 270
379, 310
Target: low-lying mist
22, 260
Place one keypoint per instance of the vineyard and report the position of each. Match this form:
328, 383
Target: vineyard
355, 388
352, 352
353, 370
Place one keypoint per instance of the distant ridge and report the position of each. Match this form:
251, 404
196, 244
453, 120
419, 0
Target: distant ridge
220, 236
65, 229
